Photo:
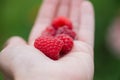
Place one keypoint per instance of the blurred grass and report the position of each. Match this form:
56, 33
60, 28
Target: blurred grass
107, 67
17, 18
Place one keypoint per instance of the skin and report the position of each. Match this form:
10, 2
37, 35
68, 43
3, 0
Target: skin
113, 38
19, 60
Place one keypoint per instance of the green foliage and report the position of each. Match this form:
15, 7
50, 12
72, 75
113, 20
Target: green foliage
17, 18
1, 78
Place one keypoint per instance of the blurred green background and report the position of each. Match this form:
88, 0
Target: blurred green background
17, 18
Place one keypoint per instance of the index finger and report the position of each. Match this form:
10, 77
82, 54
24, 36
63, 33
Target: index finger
44, 18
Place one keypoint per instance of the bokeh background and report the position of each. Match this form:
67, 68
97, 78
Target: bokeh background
17, 18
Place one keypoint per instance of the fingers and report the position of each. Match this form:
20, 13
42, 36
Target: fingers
44, 18
14, 41
74, 13
63, 8
83, 49
86, 28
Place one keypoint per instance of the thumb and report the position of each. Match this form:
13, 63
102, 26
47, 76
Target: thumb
14, 41
4, 66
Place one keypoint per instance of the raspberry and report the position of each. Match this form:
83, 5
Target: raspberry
65, 30
62, 21
49, 31
57, 39
49, 46
68, 43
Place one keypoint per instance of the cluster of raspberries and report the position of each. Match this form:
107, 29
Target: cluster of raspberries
57, 39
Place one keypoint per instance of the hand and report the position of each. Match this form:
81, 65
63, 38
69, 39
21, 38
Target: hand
113, 38
21, 61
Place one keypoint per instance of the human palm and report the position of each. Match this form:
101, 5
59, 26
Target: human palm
21, 61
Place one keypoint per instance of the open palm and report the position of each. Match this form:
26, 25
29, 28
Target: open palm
21, 61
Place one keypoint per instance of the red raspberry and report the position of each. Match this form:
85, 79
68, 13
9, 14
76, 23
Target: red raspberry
49, 46
65, 30
68, 43
62, 21
57, 39
49, 31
